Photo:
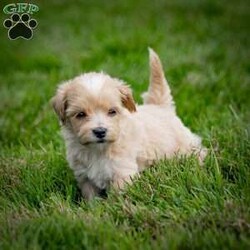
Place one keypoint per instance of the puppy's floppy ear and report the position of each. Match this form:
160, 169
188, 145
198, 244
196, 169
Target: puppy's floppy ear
59, 103
127, 98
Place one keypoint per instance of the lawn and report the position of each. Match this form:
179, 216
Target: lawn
176, 204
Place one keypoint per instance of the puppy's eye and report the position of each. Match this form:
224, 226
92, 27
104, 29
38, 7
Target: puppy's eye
112, 112
81, 115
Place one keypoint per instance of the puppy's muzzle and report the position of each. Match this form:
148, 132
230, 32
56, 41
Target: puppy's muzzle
99, 132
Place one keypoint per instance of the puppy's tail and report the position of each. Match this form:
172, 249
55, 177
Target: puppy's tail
159, 92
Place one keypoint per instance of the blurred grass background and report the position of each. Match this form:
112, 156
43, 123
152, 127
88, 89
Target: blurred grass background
204, 46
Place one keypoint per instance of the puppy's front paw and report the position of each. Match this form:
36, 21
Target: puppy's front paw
88, 190
120, 182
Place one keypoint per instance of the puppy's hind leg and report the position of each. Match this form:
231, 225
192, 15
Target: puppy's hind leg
159, 92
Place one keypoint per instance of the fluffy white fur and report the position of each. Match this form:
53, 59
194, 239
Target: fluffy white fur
136, 136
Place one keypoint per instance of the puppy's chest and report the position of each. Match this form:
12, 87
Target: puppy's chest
100, 171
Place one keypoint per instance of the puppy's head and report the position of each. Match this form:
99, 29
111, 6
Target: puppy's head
92, 106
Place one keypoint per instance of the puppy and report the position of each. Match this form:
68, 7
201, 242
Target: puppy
110, 139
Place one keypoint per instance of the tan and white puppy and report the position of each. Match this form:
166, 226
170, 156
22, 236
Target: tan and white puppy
109, 138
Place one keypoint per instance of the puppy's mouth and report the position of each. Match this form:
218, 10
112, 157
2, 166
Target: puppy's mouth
99, 141
103, 140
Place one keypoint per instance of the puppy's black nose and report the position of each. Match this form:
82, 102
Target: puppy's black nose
99, 132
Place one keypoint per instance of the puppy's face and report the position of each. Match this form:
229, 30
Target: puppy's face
92, 106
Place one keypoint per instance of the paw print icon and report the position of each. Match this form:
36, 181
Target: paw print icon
20, 26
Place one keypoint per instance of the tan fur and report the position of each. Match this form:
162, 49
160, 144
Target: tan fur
127, 98
136, 136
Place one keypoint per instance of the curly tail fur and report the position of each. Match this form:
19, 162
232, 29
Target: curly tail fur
159, 92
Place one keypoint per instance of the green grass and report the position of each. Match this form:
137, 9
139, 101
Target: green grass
204, 46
